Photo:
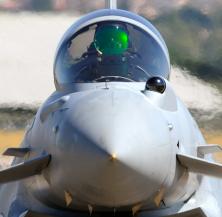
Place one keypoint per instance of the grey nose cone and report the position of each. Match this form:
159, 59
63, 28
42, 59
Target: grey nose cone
113, 149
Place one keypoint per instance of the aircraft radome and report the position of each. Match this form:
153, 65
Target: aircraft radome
113, 139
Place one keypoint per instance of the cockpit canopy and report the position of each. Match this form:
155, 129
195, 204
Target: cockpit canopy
110, 51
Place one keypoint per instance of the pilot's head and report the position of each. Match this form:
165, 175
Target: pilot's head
111, 46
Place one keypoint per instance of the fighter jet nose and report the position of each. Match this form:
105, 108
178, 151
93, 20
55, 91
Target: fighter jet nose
114, 147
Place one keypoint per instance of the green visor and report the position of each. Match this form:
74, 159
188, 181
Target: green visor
111, 40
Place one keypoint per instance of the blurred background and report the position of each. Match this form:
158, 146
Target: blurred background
31, 30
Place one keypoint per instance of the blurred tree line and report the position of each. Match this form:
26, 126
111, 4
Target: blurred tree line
74, 6
194, 40
41, 5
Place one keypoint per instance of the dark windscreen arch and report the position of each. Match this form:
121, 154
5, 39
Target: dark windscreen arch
81, 60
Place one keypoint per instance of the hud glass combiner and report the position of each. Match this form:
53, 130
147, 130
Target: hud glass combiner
111, 40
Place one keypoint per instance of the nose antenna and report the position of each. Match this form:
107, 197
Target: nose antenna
111, 4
